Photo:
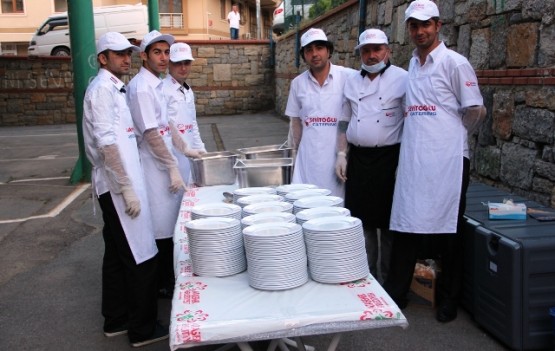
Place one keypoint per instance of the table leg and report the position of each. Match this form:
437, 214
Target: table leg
225, 347
244, 346
273, 344
334, 342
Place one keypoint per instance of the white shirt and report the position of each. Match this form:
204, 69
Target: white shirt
234, 18
375, 108
104, 106
182, 111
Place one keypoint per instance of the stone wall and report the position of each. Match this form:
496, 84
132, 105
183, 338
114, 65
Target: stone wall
509, 43
227, 79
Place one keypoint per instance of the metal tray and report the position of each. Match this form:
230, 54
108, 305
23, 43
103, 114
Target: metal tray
263, 172
214, 168
266, 151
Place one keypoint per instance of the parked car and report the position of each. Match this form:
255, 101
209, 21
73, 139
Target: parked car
278, 25
284, 14
52, 37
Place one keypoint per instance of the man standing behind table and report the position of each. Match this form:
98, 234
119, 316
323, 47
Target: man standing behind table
234, 18
181, 109
163, 180
444, 104
314, 106
129, 302
369, 136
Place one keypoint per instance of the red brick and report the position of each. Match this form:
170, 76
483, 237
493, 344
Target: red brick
488, 73
528, 72
500, 73
513, 72
483, 81
506, 80
520, 81
535, 80
549, 81
494, 81
479, 73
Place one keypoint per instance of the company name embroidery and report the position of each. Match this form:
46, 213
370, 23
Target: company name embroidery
370, 300
321, 121
422, 110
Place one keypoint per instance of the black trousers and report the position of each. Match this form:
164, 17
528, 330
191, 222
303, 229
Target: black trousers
166, 276
129, 294
406, 248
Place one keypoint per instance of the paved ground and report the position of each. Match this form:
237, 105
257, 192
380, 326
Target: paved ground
51, 250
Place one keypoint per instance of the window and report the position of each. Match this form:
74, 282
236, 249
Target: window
171, 13
60, 5
170, 6
12, 6
223, 12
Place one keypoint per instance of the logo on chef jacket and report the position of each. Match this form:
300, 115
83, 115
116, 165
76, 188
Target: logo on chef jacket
131, 132
321, 121
422, 110
164, 130
185, 128
470, 84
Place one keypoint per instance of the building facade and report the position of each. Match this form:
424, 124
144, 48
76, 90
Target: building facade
185, 19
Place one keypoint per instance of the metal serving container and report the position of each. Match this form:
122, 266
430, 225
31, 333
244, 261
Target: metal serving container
263, 172
266, 151
214, 168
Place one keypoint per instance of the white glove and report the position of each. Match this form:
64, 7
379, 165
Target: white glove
176, 182
193, 153
341, 166
473, 117
132, 203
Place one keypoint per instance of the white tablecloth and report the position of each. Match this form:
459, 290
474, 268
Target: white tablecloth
208, 310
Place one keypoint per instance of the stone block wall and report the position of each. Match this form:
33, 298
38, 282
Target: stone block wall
227, 79
510, 45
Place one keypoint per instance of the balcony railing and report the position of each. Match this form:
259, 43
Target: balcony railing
171, 20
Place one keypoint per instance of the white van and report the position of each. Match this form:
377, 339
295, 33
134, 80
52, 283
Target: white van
52, 37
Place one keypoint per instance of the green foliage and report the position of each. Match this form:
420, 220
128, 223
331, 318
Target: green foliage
322, 6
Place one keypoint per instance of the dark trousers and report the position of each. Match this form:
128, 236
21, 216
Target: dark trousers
406, 248
166, 276
129, 294
234, 33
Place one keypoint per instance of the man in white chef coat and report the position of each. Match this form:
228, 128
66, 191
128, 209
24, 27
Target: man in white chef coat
369, 137
314, 106
129, 266
444, 104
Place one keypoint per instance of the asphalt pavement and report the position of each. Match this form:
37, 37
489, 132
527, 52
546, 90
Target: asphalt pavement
51, 250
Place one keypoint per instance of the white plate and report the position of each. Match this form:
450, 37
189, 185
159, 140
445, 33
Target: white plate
216, 209
300, 194
212, 223
275, 229
268, 217
254, 191
273, 206
331, 224
318, 212
318, 201
287, 188
254, 199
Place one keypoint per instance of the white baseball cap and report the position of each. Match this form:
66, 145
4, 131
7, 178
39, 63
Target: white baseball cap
114, 41
180, 52
154, 37
372, 36
311, 35
421, 10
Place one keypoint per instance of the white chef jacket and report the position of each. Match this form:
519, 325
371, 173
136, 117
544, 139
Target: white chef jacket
234, 19
149, 110
429, 175
107, 121
319, 108
182, 113
375, 108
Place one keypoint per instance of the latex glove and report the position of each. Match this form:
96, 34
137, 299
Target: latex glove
473, 117
341, 166
176, 182
132, 202
193, 153
159, 149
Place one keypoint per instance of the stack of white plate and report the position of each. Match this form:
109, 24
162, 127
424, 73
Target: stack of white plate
271, 206
335, 249
216, 246
268, 217
255, 190
301, 194
287, 188
319, 212
254, 199
216, 209
316, 201
276, 256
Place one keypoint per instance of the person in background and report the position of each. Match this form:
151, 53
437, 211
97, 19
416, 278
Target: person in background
444, 104
129, 300
369, 137
234, 18
164, 183
181, 109
314, 106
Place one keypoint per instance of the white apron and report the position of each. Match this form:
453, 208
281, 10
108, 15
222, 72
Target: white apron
138, 230
184, 123
429, 176
315, 161
164, 205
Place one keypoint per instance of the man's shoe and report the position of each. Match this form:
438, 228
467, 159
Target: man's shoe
116, 331
160, 333
446, 312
